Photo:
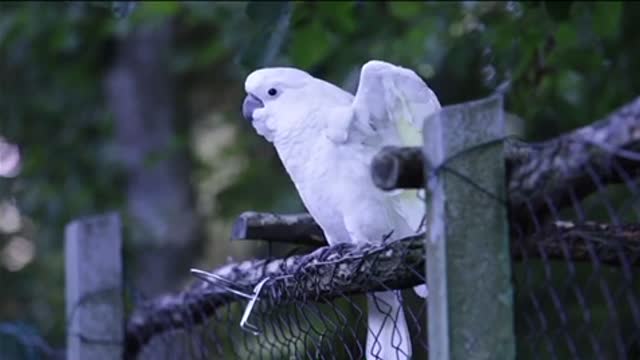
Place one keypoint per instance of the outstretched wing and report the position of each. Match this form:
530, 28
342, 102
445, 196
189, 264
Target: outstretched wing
389, 108
391, 103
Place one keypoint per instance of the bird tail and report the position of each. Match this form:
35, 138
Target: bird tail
388, 334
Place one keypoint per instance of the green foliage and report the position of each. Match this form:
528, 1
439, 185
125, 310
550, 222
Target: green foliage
21, 341
560, 65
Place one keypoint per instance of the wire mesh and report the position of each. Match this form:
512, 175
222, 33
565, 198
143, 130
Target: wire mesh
575, 258
575, 246
312, 306
583, 299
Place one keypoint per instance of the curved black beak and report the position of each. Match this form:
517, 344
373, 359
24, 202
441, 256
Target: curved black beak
250, 104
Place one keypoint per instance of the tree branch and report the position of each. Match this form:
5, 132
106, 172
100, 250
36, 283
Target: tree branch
322, 275
557, 169
296, 228
587, 242
334, 271
565, 169
398, 168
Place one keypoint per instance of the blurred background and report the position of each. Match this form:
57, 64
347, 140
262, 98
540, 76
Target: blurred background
135, 107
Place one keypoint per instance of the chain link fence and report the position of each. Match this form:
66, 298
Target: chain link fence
309, 306
574, 244
575, 249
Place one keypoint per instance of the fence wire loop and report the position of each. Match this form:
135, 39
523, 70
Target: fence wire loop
244, 323
214, 279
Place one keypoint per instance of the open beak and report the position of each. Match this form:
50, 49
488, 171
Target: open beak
250, 104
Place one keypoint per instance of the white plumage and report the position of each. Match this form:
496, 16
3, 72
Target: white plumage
326, 139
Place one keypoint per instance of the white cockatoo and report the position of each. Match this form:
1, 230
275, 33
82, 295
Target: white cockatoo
326, 139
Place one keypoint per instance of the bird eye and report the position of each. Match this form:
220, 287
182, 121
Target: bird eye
272, 92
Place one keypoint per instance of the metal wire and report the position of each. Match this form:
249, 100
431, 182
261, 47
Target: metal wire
575, 298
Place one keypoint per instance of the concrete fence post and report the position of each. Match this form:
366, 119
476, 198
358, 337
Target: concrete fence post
470, 304
94, 289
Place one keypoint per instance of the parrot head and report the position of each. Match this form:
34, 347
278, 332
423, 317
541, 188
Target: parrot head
269, 91
280, 99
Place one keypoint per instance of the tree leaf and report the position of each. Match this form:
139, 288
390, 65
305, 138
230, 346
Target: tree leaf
558, 10
265, 13
405, 10
606, 18
310, 45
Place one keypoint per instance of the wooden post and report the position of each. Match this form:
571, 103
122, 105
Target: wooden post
470, 304
94, 291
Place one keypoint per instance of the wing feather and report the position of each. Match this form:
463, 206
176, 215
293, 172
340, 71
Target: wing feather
389, 108
392, 103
